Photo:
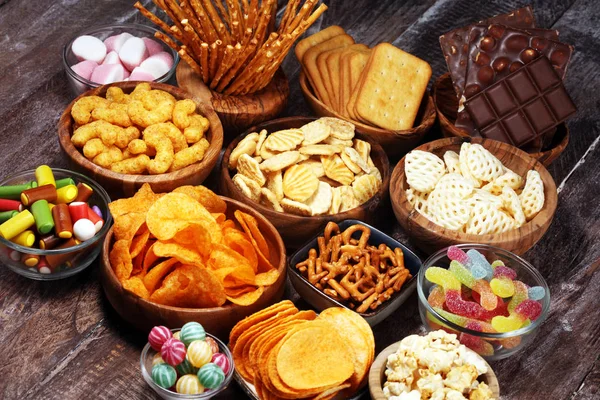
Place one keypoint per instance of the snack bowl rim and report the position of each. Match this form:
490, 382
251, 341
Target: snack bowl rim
205, 395
371, 317
127, 27
537, 276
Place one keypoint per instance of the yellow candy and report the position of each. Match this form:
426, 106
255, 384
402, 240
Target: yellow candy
16, 224
44, 176
177, 334
189, 384
66, 194
506, 324
502, 287
157, 359
25, 238
199, 353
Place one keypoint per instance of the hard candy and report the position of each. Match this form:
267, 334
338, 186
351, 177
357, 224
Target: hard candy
213, 344
158, 336
185, 368
173, 351
189, 384
199, 353
211, 376
222, 361
192, 331
164, 375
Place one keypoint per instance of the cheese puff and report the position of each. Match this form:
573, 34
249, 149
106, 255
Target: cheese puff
116, 94
192, 154
93, 147
170, 131
195, 132
107, 158
134, 165
82, 109
114, 115
144, 117
127, 135
182, 111
164, 152
137, 146
127, 154
140, 90
97, 129
154, 98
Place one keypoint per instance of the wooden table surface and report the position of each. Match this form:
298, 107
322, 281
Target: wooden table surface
63, 340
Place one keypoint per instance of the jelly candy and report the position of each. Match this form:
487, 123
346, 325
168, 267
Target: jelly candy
436, 297
475, 343
497, 263
519, 295
507, 324
504, 271
456, 319
527, 309
488, 299
457, 305
511, 343
536, 293
456, 254
501, 309
502, 287
461, 273
442, 277
480, 267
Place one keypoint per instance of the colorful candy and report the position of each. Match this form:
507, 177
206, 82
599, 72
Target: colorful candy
164, 375
19, 223
503, 287
192, 331
173, 351
504, 271
46, 192
185, 367
43, 217
6, 215
437, 297
84, 192
10, 205
442, 277
14, 191
480, 265
214, 347
457, 305
507, 324
84, 229
62, 221
462, 274
521, 293
456, 254
222, 361
529, 309
211, 376
158, 336
189, 384
157, 359
25, 238
44, 176
199, 353
66, 194
536, 293
476, 343
488, 299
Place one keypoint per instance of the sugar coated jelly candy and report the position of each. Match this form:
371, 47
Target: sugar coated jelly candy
211, 376
456, 254
507, 324
173, 351
502, 287
436, 297
529, 309
192, 331
536, 293
456, 319
159, 335
497, 263
504, 271
475, 343
189, 384
521, 293
457, 305
501, 309
164, 375
480, 265
442, 277
488, 299
461, 273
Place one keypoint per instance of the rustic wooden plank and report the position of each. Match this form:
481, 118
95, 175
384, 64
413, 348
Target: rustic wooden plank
590, 387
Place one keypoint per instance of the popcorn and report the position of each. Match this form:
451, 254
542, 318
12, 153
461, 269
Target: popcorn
435, 367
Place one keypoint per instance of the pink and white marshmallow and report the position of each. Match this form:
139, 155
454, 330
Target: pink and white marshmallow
89, 48
116, 42
158, 64
84, 68
112, 58
109, 73
138, 74
153, 46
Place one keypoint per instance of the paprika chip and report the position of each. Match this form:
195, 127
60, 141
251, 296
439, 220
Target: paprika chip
204, 196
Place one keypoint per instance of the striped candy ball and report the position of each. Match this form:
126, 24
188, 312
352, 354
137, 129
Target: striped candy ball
158, 336
213, 345
186, 368
189, 384
173, 351
164, 375
177, 335
222, 361
211, 376
157, 359
192, 331
199, 353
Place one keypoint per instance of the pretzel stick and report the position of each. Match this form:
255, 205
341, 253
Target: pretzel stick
304, 11
190, 61
215, 21
167, 40
290, 12
207, 26
204, 49
251, 22
224, 65
195, 45
192, 20
245, 7
263, 21
213, 57
237, 15
224, 13
246, 53
150, 16
168, 6
253, 66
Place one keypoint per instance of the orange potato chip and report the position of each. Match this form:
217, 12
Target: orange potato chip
227, 224
195, 237
261, 315
138, 266
156, 274
150, 258
219, 217
120, 260
190, 286
127, 225
204, 196
139, 203
176, 211
247, 298
240, 243
250, 226
136, 286
267, 278
238, 291
184, 254
138, 243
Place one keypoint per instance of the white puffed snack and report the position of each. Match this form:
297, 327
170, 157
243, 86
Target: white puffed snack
486, 219
464, 166
532, 197
509, 178
482, 164
449, 211
454, 185
423, 170
513, 205
451, 160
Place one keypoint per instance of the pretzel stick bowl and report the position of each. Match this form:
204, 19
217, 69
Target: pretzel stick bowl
143, 314
446, 106
431, 237
125, 185
237, 113
377, 374
295, 229
395, 143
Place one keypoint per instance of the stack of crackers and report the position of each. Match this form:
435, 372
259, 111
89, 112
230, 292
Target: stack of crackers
381, 87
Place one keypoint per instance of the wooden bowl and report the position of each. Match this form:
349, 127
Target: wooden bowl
125, 185
431, 237
295, 229
395, 143
144, 314
446, 106
237, 113
377, 374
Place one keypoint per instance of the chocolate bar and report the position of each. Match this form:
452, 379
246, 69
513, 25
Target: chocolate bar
523, 106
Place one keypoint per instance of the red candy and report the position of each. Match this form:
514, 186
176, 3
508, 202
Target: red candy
173, 351
10, 205
454, 253
158, 336
529, 309
214, 347
504, 271
501, 309
475, 343
78, 210
222, 361
457, 305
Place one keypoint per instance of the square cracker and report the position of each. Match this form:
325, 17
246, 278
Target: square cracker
310, 63
324, 72
335, 72
356, 63
393, 85
317, 38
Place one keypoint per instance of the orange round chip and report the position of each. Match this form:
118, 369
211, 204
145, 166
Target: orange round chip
247, 298
190, 286
186, 255
120, 260
204, 196
156, 274
136, 286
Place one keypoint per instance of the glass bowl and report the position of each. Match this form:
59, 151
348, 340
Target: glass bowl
80, 256
80, 85
146, 367
504, 344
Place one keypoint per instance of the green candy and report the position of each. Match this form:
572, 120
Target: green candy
64, 182
211, 376
192, 331
14, 191
164, 375
186, 367
43, 217
6, 215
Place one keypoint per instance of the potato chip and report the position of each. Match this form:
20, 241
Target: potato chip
338, 142
363, 148
336, 201
154, 277
349, 200
340, 128
248, 167
423, 170
120, 260
139, 203
320, 201
250, 226
149, 258
418, 200
247, 299
136, 286
269, 199
279, 161
357, 159
275, 184
185, 254
352, 166
319, 149
316, 166
336, 169
315, 132
195, 237
295, 207
190, 286
267, 278
127, 225
239, 242
284, 140
247, 146
247, 186
365, 187
211, 201
138, 243
262, 136
448, 210
299, 183
261, 315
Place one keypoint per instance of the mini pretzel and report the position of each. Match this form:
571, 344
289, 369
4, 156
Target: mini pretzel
364, 238
330, 228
